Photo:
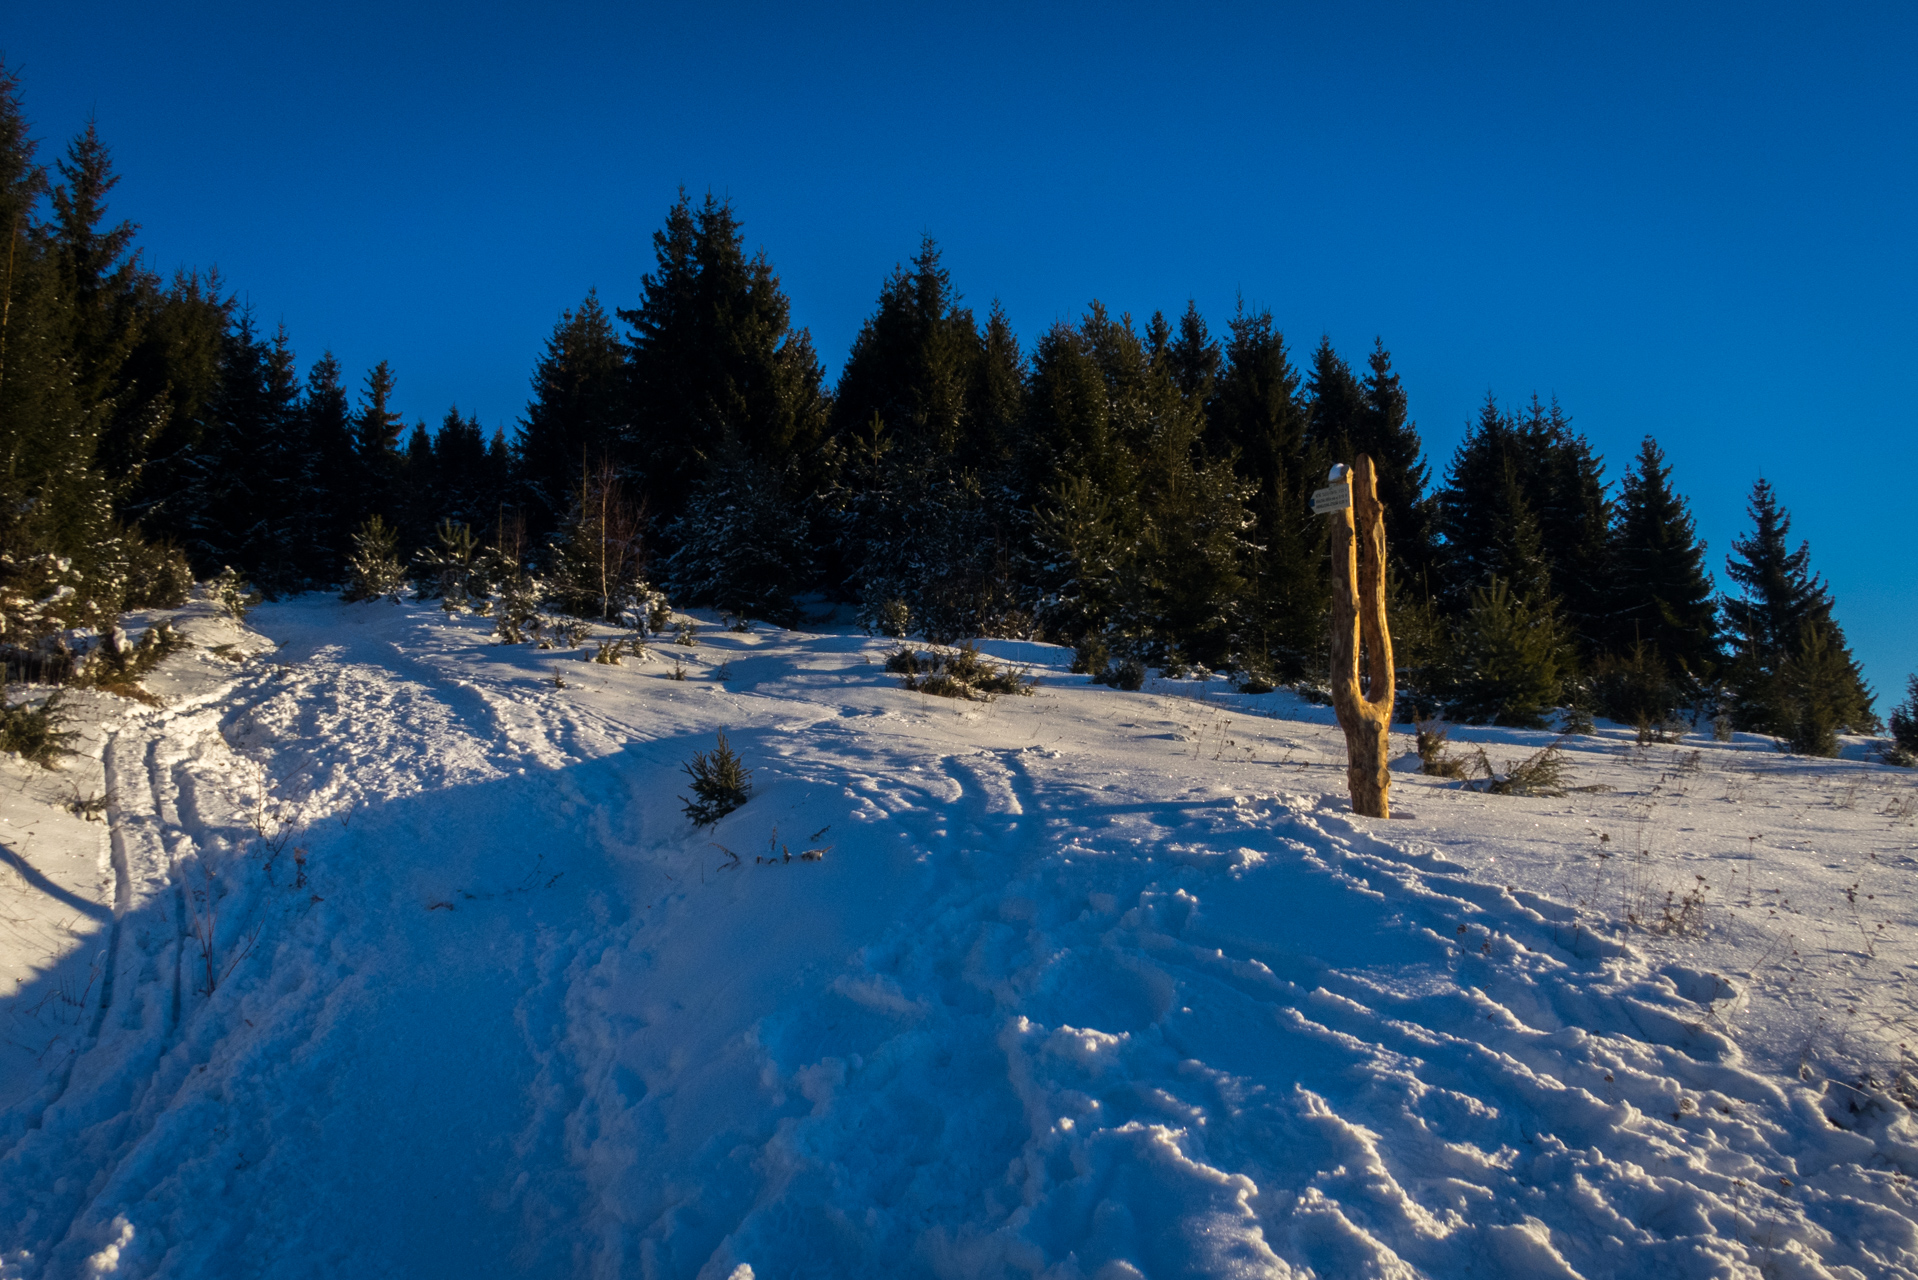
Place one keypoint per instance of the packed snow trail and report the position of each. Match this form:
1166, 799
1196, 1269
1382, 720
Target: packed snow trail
1063, 995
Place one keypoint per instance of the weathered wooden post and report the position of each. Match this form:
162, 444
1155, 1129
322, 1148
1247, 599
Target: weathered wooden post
1358, 616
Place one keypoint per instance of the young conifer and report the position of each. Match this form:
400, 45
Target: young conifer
1662, 592
1789, 657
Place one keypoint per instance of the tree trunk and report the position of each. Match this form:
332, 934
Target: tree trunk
1358, 620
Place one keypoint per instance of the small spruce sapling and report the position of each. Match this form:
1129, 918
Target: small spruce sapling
449, 572
1434, 760
721, 783
234, 593
374, 567
34, 733
1903, 751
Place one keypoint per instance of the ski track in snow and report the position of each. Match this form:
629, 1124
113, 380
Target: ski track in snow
1052, 1003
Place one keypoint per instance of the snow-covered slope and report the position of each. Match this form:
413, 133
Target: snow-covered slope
1085, 984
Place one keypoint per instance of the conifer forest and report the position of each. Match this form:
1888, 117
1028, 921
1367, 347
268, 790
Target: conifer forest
1134, 488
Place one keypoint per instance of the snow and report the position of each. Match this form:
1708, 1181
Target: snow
1090, 983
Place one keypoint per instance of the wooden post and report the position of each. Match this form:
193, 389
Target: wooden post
1358, 617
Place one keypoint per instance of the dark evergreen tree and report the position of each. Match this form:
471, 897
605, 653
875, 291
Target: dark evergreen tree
179, 354
332, 493
1904, 723
55, 506
1144, 531
1512, 470
1662, 591
253, 471
925, 412
1335, 404
716, 366
419, 490
997, 400
912, 363
1574, 517
1196, 358
376, 447
580, 409
1385, 432
1484, 517
69, 309
1791, 671
1508, 668
734, 548
1258, 419
464, 487
108, 296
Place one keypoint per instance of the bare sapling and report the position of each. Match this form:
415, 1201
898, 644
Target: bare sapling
1359, 629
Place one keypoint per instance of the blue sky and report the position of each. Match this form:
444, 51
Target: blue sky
1692, 221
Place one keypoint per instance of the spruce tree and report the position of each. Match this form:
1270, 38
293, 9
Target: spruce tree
734, 549
1487, 515
250, 477
1196, 358
1335, 404
332, 494
464, 489
926, 412
1791, 670
996, 401
180, 354
717, 367
55, 505
108, 297
1574, 516
1508, 670
1080, 482
580, 408
1535, 460
376, 440
1663, 594
1904, 724
1385, 433
912, 363
419, 488
1257, 418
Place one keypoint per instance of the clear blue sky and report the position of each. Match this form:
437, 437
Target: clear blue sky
1693, 221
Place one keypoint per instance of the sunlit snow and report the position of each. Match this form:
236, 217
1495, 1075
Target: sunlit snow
1090, 983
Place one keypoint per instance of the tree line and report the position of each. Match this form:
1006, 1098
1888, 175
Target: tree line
1137, 491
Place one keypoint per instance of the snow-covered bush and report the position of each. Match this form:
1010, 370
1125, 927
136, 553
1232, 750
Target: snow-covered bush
233, 593
956, 673
33, 732
741, 545
157, 576
451, 572
374, 569
116, 663
520, 596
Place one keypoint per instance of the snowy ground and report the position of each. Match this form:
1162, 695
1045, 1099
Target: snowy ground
1085, 984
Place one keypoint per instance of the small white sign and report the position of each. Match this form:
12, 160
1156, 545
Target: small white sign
1334, 497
